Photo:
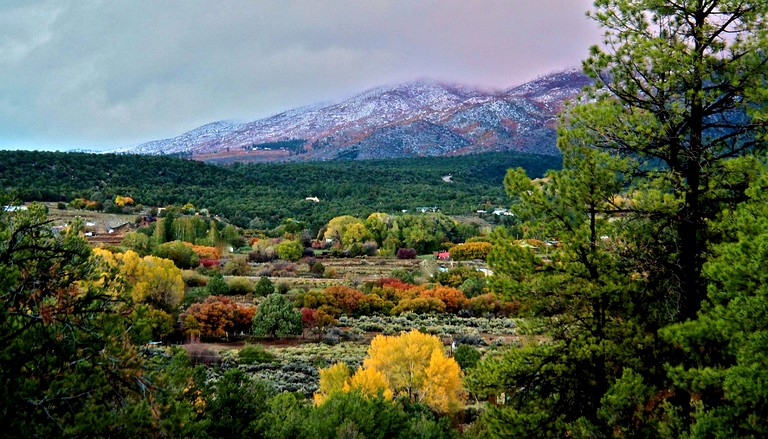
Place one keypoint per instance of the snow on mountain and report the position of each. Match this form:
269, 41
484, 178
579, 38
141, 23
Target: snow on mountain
415, 118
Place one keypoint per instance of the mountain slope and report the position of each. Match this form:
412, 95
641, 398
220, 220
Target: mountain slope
419, 118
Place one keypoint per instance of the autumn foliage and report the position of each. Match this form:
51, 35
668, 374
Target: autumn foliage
216, 317
470, 250
411, 365
205, 252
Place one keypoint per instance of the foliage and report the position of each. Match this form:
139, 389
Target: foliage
276, 317
181, 255
332, 381
466, 356
156, 287
255, 354
216, 317
415, 366
725, 347
290, 250
137, 242
216, 285
66, 367
204, 252
653, 156
264, 287
237, 266
457, 276
406, 253
470, 250
240, 286
235, 404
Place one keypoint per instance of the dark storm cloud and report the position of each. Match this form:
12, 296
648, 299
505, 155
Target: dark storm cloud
87, 73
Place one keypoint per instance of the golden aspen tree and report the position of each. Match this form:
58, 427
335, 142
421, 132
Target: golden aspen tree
332, 380
369, 383
443, 388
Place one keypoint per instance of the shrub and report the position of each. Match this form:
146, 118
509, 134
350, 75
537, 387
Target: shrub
264, 287
282, 288
403, 275
237, 266
473, 286
205, 252
290, 250
276, 317
466, 356
455, 277
193, 279
217, 286
208, 263
255, 354
370, 248
181, 255
470, 250
195, 295
406, 253
240, 285
470, 339
318, 269
262, 255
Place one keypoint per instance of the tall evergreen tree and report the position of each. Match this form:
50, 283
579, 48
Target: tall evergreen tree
654, 153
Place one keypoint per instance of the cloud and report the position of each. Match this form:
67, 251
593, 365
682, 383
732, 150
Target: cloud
88, 73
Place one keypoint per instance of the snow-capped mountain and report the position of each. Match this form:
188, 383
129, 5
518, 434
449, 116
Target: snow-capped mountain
418, 118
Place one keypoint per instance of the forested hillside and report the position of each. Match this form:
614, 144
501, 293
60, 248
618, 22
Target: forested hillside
264, 194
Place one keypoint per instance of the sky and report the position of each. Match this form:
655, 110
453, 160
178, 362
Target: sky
104, 74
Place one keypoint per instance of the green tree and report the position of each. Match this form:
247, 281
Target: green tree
726, 347
264, 287
66, 367
276, 317
182, 255
680, 89
235, 406
137, 242
290, 250
216, 285
651, 159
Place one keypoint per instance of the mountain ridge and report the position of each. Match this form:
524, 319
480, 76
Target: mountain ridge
416, 118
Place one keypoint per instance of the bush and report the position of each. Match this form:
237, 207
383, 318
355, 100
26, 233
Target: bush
466, 356
193, 279
264, 287
262, 255
217, 286
237, 266
276, 317
470, 250
290, 250
318, 269
195, 295
470, 339
406, 253
403, 275
181, 255
240, 285
256, 354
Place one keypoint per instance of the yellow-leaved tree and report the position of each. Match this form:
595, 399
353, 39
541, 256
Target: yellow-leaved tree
369, 383
413, 365
156, 286
332, 380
